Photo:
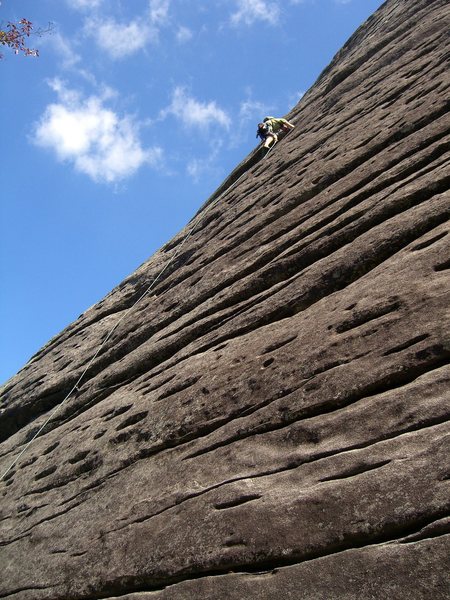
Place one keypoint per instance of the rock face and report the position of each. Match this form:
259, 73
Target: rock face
271, 420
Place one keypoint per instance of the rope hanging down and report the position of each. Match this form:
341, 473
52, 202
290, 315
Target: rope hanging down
196, 222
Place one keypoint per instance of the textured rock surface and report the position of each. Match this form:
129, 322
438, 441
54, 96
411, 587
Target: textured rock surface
272, 421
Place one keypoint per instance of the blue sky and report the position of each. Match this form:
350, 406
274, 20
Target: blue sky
132, 115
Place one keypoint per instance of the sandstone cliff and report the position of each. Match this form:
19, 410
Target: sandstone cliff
271, 421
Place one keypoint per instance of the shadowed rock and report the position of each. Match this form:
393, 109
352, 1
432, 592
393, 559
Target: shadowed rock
271, 420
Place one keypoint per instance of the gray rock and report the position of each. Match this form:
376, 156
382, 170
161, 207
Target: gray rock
271, 419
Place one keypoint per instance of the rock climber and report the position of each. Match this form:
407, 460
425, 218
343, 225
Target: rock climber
271, 128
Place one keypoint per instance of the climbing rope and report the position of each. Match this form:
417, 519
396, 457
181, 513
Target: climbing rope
195, 223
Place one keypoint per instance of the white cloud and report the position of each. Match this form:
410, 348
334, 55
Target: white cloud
184, 34
199, 167
84, 4
193, 113
159, 11
249, 11
95, 139
63, 49
120, 39
252, 109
